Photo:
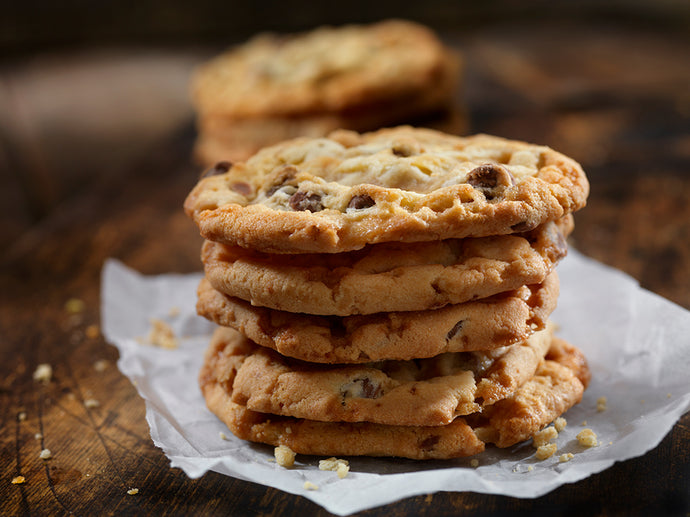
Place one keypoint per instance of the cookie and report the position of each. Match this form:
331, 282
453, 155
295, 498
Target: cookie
404, 184
552, 391
390, 276
479, 325
330, 69
224, 139
430, 391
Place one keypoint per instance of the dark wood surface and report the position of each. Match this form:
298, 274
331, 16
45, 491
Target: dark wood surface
86, 184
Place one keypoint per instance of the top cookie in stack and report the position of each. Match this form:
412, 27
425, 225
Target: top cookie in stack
388, 293
360, 77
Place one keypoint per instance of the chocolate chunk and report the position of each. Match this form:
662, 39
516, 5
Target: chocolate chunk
491, 179
218, 168
241, 188
430, 442
361, 388
524, 226
361, 201
457, 328
301, 201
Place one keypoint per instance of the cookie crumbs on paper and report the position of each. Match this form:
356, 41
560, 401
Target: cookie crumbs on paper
18, 480
560, 423
308, 485
341, 467
546, 451
45, 454
133, 491
601, 404
587, 438
161, 335
543, 437
285, 457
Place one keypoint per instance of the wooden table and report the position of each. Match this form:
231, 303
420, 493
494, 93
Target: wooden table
616, 100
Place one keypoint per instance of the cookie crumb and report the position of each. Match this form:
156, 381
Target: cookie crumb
285, 456
100, 365
222, 435
38, 436
45, 454
162, 335
546, 451
544, 436
584, 422
308, 485
75, 306
560, 423
43, 373
133, 491
341, 467
601, 404
18, 480
91, 403
21, 416
174, 312
587, 438
474, 463
92, 331
563, 458
530, 468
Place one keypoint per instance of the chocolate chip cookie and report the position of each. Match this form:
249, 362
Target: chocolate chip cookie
402, 184
484, 324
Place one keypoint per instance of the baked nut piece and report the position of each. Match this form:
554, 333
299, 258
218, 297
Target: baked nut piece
426, 392
552, 391
484, 324
354, 67
405, 184
389, 276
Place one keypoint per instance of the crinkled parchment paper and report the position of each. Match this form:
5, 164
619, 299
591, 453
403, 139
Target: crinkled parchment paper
637, 344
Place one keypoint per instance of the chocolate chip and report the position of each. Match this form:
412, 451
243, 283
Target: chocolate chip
491, 179
361, 201
301, 201
218, 168
241, 188
430, 442
457, 328
361, 388
524, 226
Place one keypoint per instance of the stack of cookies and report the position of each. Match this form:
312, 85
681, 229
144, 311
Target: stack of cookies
360, 77
388, 293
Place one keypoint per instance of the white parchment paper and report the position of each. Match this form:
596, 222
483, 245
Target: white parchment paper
637, 344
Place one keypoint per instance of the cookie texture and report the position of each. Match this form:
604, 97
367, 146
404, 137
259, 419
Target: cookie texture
553, 389
483, 324
390, 276
403, 184
330, 69
421, 392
